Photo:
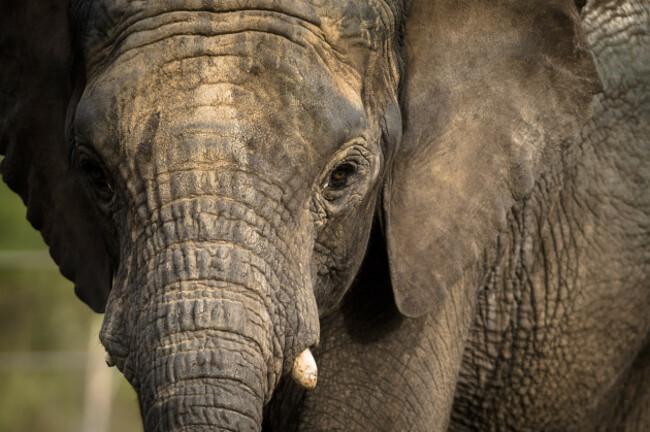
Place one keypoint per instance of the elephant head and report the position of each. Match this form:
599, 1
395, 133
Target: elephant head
207, 173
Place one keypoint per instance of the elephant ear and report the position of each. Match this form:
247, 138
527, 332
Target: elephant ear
35, 85
492, 91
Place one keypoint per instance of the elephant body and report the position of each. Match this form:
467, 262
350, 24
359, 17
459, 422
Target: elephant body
540, 348
447, 201
546, 338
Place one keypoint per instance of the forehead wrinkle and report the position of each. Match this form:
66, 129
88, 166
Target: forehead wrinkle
229, 82
350, 18
341, 24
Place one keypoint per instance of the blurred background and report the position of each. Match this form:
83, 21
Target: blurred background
52, 372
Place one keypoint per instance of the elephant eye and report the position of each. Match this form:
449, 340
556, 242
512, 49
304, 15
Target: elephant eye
95, 175
340, 177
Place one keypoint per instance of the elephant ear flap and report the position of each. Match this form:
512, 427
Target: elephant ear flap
492, 92
35, 87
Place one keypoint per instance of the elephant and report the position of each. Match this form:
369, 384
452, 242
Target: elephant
359, 215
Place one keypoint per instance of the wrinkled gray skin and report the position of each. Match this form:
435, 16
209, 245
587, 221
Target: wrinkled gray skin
224, 162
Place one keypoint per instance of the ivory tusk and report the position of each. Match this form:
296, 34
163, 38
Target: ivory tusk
304, 371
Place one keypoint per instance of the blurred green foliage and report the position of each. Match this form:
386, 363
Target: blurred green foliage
41, 316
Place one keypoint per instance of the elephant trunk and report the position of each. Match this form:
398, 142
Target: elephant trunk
209, 364
208, 313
